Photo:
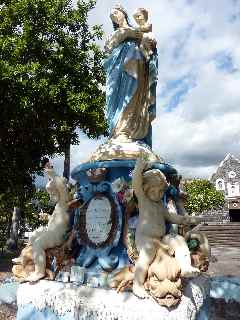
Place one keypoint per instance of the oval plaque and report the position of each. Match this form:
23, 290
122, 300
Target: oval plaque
98, 221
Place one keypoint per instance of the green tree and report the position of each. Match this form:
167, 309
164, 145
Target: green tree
201, 196
51, 80
37, 209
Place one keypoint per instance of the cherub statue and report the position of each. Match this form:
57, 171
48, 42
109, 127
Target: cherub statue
51, 235
149, 187
148, 42
24, 264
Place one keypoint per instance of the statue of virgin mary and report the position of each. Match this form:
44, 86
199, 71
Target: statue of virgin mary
131, 82
130, 92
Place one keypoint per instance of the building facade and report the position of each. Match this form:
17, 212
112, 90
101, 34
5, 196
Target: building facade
227, 179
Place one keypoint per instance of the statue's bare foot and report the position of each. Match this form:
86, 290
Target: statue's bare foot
139, 291
191, 272
35, 276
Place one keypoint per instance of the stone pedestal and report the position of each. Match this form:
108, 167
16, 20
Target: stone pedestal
101, 223
58, 301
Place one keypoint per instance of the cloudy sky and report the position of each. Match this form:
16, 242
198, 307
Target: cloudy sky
198, 95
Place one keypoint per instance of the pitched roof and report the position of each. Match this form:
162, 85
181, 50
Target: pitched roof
230, 162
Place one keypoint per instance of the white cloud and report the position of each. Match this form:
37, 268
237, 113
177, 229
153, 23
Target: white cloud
82, 152
196, 146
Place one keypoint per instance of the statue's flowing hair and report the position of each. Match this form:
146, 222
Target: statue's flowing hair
120, 8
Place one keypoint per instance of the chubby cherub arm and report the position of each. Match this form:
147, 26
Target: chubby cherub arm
120, 36
177, 219
137, 179
147, 27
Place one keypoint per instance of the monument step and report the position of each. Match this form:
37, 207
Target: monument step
222, 234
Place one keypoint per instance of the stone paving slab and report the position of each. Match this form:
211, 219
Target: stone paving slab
225, 261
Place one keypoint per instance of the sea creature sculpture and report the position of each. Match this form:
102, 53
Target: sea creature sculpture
164, 276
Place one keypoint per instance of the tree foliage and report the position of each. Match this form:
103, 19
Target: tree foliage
201, 196
36, 210
51, 79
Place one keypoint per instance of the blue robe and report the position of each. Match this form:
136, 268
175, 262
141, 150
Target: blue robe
121, 85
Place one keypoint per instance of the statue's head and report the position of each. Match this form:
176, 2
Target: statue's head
119, 17
141, 16
56, 186
154, 184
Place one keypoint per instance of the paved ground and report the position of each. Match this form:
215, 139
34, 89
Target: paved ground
227, 261
8, 312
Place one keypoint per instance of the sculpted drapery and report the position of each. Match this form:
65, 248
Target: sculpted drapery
131, 83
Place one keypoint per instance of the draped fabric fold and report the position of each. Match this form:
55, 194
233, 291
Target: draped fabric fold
130, 92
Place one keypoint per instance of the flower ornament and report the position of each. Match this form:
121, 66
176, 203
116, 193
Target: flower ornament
118, 185
128, 195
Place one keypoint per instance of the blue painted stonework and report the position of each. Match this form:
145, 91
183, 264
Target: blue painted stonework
114, 254
104, 256
117, 168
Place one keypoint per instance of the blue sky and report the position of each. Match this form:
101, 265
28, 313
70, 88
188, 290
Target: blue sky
198, 95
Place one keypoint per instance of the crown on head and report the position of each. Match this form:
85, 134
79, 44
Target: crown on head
120, 8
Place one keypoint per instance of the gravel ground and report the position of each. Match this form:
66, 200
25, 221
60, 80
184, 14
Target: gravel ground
8, 311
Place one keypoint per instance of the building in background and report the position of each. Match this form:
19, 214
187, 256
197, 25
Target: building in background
227, 179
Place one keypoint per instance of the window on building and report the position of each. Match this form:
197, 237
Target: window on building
220, 184
233, 189
232, 174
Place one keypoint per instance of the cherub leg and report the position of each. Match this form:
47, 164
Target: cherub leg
25, 256
39, 258
182, 255
146, 256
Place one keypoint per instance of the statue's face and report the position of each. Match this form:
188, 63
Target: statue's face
139, 18
154, 184
118, 17
155, 193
